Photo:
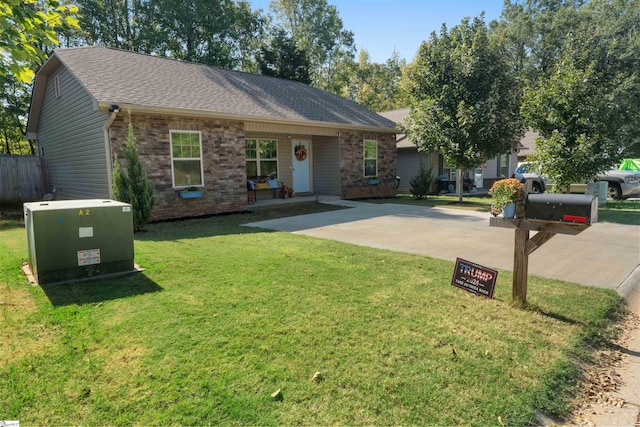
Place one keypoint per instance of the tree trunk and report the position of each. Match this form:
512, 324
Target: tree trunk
6, 142
460, 184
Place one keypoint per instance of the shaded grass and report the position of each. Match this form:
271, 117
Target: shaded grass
229, 314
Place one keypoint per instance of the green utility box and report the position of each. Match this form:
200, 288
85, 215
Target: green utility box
78, 239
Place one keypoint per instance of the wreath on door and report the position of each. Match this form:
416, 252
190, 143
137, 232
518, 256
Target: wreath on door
300, 152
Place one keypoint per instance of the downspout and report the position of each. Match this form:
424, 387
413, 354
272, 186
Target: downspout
107, 148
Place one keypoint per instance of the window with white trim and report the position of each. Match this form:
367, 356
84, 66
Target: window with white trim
262, 157
186, 158
503, 166
370, 157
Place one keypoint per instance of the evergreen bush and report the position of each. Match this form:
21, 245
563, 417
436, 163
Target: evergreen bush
421, 183
133, 186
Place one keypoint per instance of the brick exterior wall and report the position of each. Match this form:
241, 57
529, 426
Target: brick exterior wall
353, 184
223, 152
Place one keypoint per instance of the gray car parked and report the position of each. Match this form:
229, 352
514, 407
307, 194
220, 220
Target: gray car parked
621, 184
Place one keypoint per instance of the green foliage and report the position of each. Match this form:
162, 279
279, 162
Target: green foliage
566, 162
587, 107
420, 185
28, 29
282, 58
213, 32
120, 186
316, 28
204, 31
133, 186
14, 104
121, 24
464, 98
377, 86
534, 32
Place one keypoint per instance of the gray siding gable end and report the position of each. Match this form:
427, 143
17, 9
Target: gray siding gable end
71, 138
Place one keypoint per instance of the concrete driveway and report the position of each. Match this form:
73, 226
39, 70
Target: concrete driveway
605, 255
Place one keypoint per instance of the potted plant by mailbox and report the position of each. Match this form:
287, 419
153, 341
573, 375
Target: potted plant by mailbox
504, 194
190, 193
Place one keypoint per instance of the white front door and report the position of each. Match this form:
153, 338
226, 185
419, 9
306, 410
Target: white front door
300, 165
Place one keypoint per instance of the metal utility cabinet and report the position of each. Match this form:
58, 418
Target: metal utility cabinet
78, 239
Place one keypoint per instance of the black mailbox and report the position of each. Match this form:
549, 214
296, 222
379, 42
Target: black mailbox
578, 208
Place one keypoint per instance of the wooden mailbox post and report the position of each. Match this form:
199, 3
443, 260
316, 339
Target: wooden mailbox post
525, 246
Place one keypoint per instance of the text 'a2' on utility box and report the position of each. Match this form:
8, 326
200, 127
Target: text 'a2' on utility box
77, 239
571, 208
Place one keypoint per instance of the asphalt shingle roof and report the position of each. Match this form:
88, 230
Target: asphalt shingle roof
399, 116
122, 77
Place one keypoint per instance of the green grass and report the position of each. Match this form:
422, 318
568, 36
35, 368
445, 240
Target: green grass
620, 212
480, 203
224, 315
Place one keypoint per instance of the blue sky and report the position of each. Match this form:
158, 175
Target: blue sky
380, 26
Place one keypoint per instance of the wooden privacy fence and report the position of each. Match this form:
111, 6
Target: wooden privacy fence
22, 179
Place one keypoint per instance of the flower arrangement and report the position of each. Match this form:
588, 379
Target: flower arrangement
504, 192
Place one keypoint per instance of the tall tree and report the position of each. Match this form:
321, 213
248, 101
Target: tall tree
223, 33
377, 86
464, 98
28, 29
14, 103
213, 32
282, 58
121, 24
535, 31
588, 109
316, 28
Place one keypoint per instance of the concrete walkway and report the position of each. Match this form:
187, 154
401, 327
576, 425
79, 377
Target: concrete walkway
605, 255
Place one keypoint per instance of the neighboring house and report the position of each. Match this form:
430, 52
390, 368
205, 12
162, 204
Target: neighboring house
410, 158
528, 145
201, 126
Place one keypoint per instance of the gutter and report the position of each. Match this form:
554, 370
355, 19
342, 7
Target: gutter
103, 105
107, 148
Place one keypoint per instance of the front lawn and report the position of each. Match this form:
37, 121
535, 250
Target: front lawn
225, 315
